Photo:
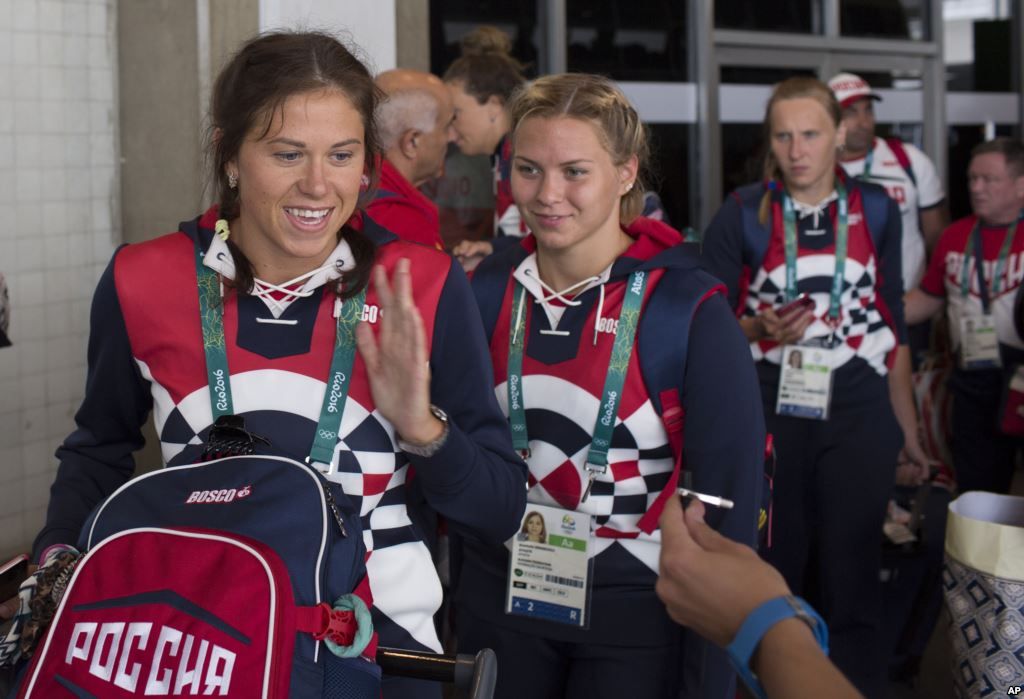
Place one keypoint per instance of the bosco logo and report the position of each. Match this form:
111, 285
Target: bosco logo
370, 313
224, 496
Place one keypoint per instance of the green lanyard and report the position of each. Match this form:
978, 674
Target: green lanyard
622, 350
997, 274
842, 235
869, 160
219, 379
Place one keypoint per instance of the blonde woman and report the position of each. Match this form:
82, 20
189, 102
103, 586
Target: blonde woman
809, 229
605, 439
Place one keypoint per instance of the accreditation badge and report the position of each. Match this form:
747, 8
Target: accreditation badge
805, 383
549, 572
979, 343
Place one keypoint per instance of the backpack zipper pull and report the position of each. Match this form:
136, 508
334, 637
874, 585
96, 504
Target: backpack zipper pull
329, 497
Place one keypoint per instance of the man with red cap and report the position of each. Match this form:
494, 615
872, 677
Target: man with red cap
906, 173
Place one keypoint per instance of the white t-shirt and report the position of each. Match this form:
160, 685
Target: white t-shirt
887, 172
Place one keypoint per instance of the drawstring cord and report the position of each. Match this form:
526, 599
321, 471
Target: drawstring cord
553, 295
805, 210
265, 290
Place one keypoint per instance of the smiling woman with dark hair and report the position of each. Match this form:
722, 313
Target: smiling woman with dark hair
278, 276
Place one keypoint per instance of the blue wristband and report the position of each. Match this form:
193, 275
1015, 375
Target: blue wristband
756, 625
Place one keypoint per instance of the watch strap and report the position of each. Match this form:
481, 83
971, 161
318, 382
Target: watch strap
757, 624
433, 447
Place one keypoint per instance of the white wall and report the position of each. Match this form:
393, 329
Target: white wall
369, 23
58, 192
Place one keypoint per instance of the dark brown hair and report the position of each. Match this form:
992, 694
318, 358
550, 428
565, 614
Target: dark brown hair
254, 86
596, 100
1012, 150
486, 68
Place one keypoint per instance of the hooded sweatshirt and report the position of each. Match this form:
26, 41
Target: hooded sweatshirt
568, 344
146, 353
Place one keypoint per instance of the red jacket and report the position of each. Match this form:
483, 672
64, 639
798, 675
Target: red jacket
403, 210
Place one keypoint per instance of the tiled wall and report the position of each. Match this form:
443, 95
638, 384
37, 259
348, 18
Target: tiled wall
58, 223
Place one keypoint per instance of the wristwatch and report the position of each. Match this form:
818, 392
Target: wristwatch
756, 625
430, 448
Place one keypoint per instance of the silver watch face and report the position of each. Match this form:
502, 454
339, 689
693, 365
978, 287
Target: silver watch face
438, 413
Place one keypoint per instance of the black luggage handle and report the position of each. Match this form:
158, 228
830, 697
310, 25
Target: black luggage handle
476, 674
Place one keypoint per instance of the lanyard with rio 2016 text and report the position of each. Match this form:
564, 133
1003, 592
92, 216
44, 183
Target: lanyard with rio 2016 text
622, 350
219, 379
842, 235
997, 273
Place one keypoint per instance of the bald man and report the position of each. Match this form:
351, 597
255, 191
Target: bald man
415, 125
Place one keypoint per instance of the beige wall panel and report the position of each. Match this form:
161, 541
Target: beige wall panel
159, 83
412, 29
231, 23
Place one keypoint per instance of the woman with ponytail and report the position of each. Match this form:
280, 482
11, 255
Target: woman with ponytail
281, 273
811, 259
481, 82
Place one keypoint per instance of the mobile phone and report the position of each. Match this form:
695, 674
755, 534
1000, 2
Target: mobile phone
12, 574
803, 302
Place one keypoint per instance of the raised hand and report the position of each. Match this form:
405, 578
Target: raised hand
396, 359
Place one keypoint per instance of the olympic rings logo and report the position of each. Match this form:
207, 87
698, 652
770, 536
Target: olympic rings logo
325, 434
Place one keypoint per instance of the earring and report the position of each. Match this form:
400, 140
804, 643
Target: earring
232, 180
629, 188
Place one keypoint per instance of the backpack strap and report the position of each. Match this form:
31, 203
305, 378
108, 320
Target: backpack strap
346, 628
756, 235
902, 157
673, 303
875, 203
673, 418
490, 279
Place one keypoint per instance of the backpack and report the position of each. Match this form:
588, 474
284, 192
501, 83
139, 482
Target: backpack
902, 157
214, 578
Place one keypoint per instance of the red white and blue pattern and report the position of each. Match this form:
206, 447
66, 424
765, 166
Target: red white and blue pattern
865, 327
280, 398
562, 400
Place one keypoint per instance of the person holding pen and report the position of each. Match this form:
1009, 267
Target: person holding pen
723, 591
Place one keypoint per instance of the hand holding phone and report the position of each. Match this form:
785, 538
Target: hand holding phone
787, 323
803, 302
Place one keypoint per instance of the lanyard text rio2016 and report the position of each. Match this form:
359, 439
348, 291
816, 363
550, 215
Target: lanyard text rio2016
842, 235
997, 273
622, 350
336, 393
